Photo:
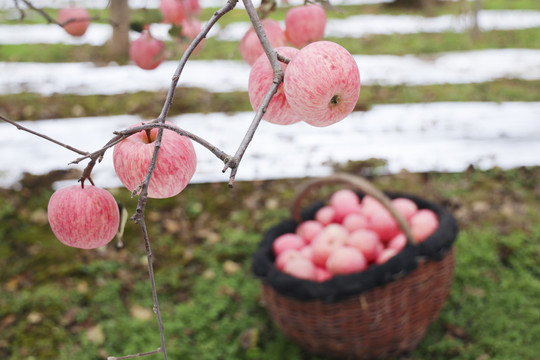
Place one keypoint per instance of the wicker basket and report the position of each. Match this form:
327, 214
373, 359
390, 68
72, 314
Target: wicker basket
372, 319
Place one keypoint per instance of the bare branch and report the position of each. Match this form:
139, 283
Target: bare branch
20, 127
278, 79
158, 350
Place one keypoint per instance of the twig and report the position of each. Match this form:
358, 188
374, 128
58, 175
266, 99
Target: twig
278, 79
20, 127
142, 189
158, 350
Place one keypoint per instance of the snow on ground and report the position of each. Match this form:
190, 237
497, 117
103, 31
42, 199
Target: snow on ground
354, 26
223, 75
416, 137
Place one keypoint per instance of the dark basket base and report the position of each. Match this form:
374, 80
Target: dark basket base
384, 322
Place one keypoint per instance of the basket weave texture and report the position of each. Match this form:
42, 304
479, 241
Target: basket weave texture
382, 312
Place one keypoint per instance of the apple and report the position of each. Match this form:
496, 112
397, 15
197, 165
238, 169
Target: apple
423, 224
354, 221
398, 242
146, 51
251, 48
305, 24
345, 202
322, 274
405, 207
193, 7
175, 165
286, 256
331, 237
309, 229
385, 255
346, 260
301, 268
382, 222
322, 83
325, 215
260, 79
74, 20
173, 11
287, 241
84, 218
366, 241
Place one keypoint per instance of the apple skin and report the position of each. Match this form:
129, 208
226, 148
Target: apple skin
173, 11
175, 165
301, 268
305, 24
251, 48
423, 223
322, 83
146, 51
287, 241
346, 260
260, 79
85, 218
78, 27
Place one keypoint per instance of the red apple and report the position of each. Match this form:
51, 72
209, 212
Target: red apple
385, 255
423, 224
287, 241
309, 229
193, 7
367, 242
345, 202
355, 221
331, 237
191, 27
398, 242
405, 207
301, 268
84, 218
146, 51
325, 215
260, 79
251, 48
74, 20
322, 83
305, 24
175, 165
322, 274
382, 222
346, 260
286, 256
173, 11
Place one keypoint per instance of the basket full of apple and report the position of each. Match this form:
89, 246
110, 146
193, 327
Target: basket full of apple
361, 275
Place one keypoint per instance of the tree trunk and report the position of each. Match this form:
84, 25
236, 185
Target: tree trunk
119, 45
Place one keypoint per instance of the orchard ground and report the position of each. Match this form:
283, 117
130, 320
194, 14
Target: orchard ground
64, 303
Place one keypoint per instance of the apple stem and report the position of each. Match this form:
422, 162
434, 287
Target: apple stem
148, 135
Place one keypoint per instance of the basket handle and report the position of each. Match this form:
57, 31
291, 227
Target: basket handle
358, 183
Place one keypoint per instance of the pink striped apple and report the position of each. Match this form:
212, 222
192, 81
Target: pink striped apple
260, 79
173, 11
74, 20
146, 51
84, 218
305, 24
346, 260
322, 83
175, 165
251, 48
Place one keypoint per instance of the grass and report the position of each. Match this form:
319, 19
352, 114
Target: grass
153, 15
29, 106
64, 303
396, 44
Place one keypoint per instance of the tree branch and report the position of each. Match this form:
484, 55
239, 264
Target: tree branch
278, 79
158, 350
20, 127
